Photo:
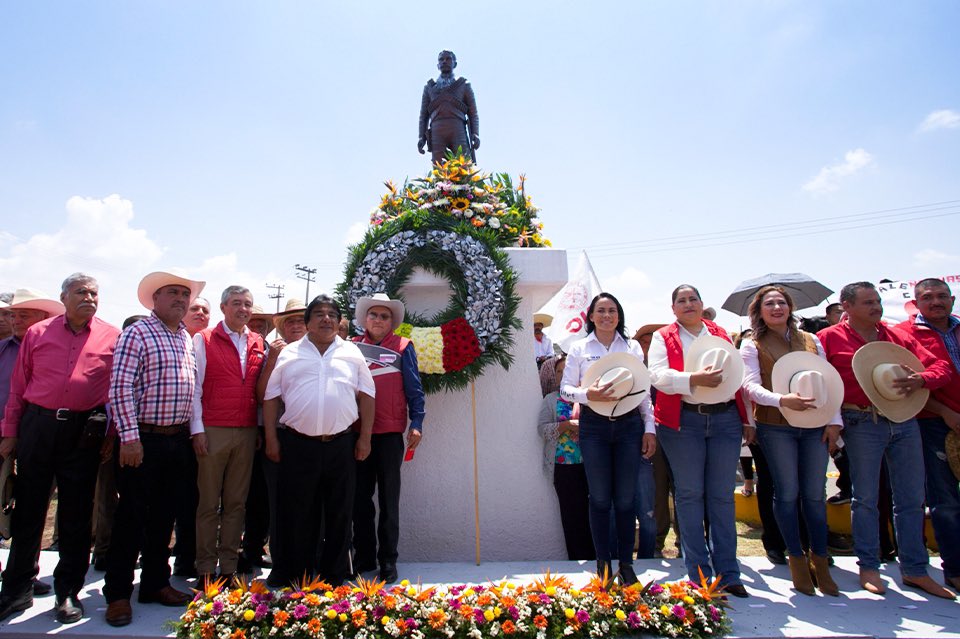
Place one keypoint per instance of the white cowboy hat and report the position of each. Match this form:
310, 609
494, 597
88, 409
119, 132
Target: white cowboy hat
27, 298
257, 313
293, 307
7, 478
875, 366
630, 378
543, 318
364, 304
808, 375
153, 282
718, 353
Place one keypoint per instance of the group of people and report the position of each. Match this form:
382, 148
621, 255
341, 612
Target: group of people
171, 424
613, 404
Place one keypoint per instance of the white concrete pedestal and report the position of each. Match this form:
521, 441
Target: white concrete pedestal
519, 516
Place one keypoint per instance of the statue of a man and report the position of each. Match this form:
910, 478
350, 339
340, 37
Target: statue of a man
448, 108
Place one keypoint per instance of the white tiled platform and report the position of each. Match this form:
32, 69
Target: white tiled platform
773, 610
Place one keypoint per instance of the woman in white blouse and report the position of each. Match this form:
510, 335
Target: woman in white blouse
797, 457
611, 446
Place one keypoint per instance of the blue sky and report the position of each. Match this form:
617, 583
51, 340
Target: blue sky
235, 139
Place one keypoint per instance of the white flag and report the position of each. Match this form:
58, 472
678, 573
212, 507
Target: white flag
569, 306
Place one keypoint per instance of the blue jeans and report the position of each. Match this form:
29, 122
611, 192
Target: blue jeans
797, 458
611, 456
867, 443
647, 528
704, 454
943, 496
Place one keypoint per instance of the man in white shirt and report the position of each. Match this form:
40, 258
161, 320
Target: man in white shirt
325, 387
542, 346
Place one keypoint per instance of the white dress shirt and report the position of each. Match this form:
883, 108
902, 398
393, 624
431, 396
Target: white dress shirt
752, 385
319, 392
542, 347
585, 352
200, 349
666, 379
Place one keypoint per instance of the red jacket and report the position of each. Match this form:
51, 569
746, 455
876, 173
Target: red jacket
668, 407
229, 397
931, 340
391, 406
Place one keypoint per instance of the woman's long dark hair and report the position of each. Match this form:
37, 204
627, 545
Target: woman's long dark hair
760, 327
620, 321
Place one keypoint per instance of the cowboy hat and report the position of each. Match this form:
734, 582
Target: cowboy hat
293, 307
630, 381
257, 313
543, 318
27, 298
364, 304
153, 282
718, 353
647, 329
7, 478
808, 375
952, 449
875, 366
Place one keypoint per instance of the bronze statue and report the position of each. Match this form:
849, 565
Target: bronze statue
447, 110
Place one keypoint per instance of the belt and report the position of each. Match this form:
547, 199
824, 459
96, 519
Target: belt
61, 414
708, 409
869, 408
320, 438
157, 429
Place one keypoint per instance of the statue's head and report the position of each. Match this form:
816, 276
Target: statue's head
447, 61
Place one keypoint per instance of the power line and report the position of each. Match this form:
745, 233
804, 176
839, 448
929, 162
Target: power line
306, 273
277, 295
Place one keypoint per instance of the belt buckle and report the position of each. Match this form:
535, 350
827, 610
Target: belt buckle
700, 410
63, 414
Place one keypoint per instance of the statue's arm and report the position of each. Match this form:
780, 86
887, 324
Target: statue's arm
471, 101
424, 113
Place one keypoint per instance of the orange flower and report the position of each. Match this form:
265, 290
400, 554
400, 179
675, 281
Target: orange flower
508, 627
484, 599
540, 621
207, 630
604, 599
644, 611
313, 626
677, 590
437, 619
234, 597
466, 611
280, 618
238, 634
508, 601
312, 599
389, 602
359, 617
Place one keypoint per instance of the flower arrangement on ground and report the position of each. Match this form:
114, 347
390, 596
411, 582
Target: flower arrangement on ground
549, 608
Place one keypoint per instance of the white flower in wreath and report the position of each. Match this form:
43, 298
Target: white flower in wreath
494, 223
467, 213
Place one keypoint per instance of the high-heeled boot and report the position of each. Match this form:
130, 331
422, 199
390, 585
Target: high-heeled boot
800, 573
821, 568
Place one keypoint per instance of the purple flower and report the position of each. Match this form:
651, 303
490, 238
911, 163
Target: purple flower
479, 588
261, 611
456, 590
454, 604
379, 611
405, 607
633, 619
342, 606
478, 617
545, 599
412, 623
217, 607
714, 613
656, 589
582, 616
300, 611
513, 612
678, 611
358, 597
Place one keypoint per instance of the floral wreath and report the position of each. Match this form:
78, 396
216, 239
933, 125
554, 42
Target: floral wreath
452, 223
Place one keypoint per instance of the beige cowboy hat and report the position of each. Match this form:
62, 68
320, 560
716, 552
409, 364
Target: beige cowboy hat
364, 304
7, 479
808, 375
875, 366
717, 353
27, 298
647, 329
630, 382
257, 313
153, 282
952, 448
543, 318
293, 307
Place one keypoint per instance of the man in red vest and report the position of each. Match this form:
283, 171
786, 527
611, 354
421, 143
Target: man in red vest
224, 430
393, 364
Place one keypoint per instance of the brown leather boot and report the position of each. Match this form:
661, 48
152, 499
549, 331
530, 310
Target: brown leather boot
821, 568
800, 573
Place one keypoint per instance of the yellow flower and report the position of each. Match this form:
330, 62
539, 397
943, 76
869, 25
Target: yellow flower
569, 612
551, 591
497, 611
384, 620
460, 203
248, 615
575, 592
488, 615
688, 600
405, 583
429, 344
342, 617
621, 615
329, 594
469, 592
208, 607
411, 591
664, 609
331, 613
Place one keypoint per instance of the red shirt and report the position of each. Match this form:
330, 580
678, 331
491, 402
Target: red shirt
840, 342
949, 395
57, 368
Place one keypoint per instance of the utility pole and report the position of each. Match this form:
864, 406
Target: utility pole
277, 295
306, 273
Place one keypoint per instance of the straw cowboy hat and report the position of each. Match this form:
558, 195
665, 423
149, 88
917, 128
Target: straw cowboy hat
952, 448
875, 366
364, 304
543, 318
7, 478
257, 313
808, 375
27, 298
293, 307
647, 329
153, 282
717, 353
630, 379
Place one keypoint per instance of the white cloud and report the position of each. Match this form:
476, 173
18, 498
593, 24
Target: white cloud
930, 258
942, 119
355, 233
828, 179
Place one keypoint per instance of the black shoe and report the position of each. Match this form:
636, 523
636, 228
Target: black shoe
777, 557
388, 573
839, 544
55, 546
840, 498
274, 580
627, 576
244, 565
100, 563
10, 605
180, 570
360, 567
737, 590
69, 610
40, 588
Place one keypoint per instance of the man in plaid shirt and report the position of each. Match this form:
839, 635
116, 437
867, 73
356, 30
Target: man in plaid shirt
151, 394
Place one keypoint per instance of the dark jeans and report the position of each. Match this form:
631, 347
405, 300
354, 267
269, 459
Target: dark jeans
379, 472
185, 522
257, 520
570, 482
316, 480
611, 459
143, 522
48, 449
943, 494
663, 481
771, 538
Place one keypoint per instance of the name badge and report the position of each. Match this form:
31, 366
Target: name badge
387, 358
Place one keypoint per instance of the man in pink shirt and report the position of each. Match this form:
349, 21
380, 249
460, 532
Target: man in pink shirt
55, 423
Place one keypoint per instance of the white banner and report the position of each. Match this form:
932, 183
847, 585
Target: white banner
569, 306
897, 298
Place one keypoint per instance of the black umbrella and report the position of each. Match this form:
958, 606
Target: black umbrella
804, 290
